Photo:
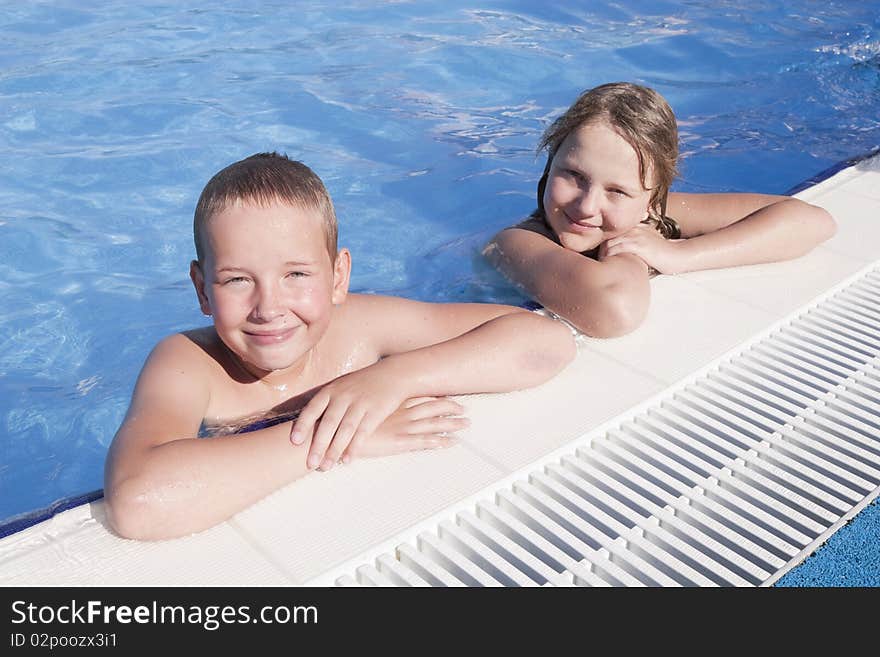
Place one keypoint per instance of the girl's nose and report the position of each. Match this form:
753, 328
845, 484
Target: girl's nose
587, 203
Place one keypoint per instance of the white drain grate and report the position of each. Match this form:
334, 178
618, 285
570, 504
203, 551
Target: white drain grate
729, 479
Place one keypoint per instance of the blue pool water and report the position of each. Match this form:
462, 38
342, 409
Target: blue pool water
421, 117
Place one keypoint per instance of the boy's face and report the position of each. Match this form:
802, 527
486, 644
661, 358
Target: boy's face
594, 192
269, 283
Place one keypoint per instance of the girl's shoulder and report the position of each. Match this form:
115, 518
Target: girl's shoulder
536, 224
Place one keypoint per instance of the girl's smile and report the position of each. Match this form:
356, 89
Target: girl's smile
581, 226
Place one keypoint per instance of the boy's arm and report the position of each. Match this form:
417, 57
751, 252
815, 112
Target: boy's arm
602, 298
727, 230
434, 349
463, 348
161, 480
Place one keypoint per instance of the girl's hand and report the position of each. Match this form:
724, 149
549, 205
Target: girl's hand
645, 242
419, 423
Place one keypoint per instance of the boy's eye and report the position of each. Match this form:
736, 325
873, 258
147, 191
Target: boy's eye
234, 280
297, 274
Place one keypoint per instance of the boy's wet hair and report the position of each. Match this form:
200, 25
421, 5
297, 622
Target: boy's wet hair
265, 178
641, 116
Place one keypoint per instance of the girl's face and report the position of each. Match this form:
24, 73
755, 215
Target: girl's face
269, 283
594, 191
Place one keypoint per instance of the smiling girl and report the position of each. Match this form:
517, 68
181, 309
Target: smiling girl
606, 221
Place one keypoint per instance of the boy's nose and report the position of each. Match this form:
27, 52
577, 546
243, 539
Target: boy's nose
268, 306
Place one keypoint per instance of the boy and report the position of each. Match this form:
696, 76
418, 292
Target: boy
369, 374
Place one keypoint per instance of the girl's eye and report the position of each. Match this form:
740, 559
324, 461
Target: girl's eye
618, 192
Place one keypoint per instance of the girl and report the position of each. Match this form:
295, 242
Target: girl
601, 228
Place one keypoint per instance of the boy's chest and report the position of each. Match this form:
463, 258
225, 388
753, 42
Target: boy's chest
241, 396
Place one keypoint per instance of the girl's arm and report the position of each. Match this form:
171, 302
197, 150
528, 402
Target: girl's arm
602, 298
728, 230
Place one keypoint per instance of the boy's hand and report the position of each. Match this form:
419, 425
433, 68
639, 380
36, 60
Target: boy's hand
419, 423
345, 412
645, 242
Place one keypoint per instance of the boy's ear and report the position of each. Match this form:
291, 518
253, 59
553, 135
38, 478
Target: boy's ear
198, 280
341, 275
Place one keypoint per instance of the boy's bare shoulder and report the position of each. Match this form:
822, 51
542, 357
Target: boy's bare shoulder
197, 360
192, 351
193, 343
176, 379
367, 314
362, 306
374, 325
205, 338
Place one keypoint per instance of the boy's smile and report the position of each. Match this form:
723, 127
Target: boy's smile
269, 284
270, 337
594, 191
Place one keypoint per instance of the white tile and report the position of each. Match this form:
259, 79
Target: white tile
858, 224
326, 518
860, 177
518, 428
75, 548
687, 327
780, 287
827, 185
865, 182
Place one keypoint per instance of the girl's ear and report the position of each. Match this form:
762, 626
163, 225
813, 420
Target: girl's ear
198, 280
341, 276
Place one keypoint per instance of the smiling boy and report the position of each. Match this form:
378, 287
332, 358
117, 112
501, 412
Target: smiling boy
367, 375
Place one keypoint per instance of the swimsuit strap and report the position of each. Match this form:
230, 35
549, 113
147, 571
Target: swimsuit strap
248, 424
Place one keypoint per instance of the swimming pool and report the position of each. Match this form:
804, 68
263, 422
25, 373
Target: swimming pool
421, 118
